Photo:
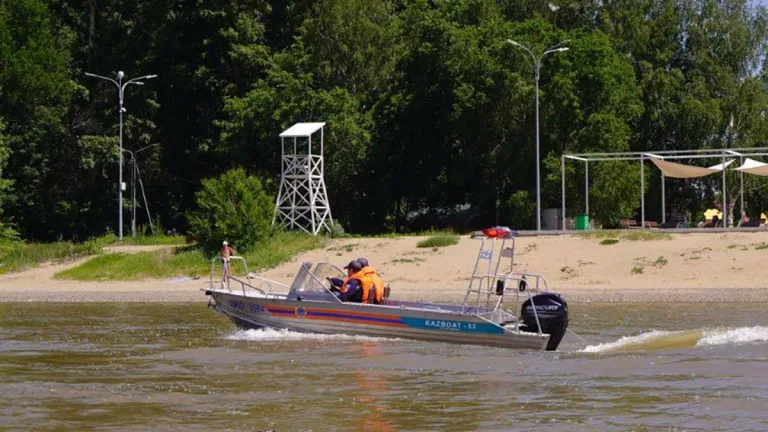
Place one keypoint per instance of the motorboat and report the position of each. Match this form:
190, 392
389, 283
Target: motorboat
501, 308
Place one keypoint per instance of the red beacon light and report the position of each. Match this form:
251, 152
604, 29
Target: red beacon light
497, 232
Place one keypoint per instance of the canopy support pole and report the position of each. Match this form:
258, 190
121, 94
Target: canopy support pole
562, 184
642, 192
586, 188
725, 200
663, 203
741, 178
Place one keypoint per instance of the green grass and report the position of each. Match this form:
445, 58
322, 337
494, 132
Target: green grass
346, 248
761, 246
437, 241
188, 261
609, 241
139, 240
19, 256
661, 261
637, 270
631, 235
153, 240
415, 260
637, 235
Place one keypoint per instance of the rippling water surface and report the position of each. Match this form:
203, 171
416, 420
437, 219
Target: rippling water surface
643, 367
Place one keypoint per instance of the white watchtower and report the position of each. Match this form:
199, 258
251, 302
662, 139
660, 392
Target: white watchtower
302, 201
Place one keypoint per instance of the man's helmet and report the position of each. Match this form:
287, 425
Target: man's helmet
224, 243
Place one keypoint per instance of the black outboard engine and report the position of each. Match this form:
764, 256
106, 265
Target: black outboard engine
552, 311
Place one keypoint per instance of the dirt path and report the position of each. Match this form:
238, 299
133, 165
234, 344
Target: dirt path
136, 248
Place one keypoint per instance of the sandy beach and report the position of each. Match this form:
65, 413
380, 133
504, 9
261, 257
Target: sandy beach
693, 267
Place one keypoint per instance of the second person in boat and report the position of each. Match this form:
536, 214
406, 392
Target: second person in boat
361, 285
376, 294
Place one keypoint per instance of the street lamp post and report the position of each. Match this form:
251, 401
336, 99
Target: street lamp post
537, 64
134, 173
120, 91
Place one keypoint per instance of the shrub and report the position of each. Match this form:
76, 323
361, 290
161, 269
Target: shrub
609, 241
522, 209
232, 207
439, 241
337, 230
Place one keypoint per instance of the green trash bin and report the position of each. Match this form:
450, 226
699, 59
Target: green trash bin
582, 222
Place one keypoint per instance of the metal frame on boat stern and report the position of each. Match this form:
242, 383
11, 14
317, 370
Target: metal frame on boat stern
492, 280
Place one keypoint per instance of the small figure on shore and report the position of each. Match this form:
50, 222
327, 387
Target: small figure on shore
714, 224
226, 253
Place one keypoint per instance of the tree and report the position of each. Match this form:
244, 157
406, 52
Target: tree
232, 207
6, 231
35, 92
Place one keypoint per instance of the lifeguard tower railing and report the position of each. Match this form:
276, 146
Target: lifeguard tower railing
491, 279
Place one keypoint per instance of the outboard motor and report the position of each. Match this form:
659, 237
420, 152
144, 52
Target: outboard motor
552, 311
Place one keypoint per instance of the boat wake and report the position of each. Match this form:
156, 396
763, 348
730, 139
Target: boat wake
287, 335
659, 340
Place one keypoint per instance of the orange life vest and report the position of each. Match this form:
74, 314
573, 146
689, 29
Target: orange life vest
376, 284
366, 283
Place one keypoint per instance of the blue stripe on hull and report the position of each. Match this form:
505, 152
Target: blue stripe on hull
452, 326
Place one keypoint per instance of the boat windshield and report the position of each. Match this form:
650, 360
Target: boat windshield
310, 280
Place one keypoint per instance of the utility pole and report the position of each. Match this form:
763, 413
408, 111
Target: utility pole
120, 92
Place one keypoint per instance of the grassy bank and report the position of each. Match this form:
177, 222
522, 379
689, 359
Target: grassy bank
18, 256
187, 261
142, 240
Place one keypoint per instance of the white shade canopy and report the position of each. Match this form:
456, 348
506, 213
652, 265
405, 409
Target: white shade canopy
678, 170
302, 129
751, 166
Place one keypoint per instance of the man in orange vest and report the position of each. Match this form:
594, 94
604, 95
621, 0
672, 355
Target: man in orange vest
375, 294
349, 288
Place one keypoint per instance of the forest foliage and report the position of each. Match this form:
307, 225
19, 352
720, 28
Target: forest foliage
428, 110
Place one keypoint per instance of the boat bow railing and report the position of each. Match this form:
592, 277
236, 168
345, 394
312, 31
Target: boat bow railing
262, 286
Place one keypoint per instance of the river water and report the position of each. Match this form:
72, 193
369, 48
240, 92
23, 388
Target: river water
644, 367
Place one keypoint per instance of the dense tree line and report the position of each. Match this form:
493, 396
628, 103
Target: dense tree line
427, 107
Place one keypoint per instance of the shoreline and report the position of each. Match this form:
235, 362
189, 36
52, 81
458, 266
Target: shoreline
685, 268
576, 295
